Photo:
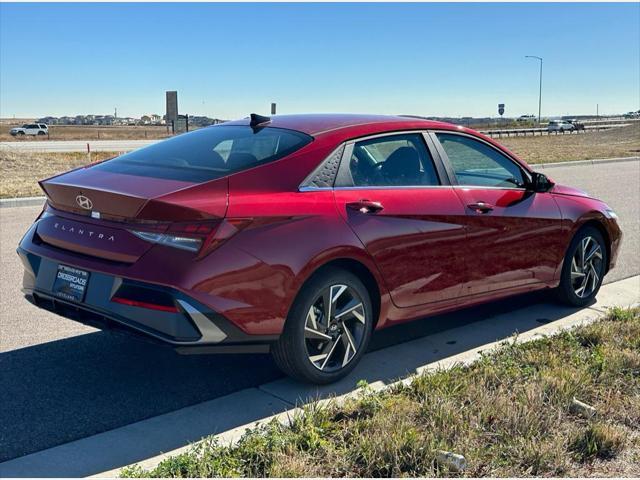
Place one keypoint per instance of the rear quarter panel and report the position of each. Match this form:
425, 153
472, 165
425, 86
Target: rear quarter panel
261, 269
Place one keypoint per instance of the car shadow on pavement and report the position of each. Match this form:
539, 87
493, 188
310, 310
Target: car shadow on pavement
61, 391
402, 350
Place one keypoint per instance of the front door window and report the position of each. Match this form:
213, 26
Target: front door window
477, 164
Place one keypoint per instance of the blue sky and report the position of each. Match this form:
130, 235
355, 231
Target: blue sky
227, 60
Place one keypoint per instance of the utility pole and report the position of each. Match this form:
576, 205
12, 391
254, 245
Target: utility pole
540, 90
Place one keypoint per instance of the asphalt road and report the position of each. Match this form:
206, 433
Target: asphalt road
62, 381
75, 145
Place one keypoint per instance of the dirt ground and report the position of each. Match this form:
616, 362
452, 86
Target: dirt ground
615, 142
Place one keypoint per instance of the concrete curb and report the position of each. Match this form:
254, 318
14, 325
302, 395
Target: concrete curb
229, 417
21, 202
584, 162
33, 201
626, 293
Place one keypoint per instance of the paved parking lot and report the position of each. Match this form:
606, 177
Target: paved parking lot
63, 381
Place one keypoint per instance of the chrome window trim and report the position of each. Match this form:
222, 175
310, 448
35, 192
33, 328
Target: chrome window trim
304, 188
407, 187
433, 146
386, 134
428, 146
347, 151
526, 173
480, 187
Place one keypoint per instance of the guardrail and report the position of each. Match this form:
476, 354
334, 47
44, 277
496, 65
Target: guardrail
516, 132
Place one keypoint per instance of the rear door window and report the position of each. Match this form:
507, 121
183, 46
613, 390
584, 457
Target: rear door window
208, 153
395, 160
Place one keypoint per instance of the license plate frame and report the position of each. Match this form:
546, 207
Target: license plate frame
70, 283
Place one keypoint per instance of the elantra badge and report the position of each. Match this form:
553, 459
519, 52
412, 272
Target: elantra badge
84, 202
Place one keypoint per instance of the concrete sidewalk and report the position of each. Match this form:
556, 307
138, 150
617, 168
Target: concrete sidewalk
144, 442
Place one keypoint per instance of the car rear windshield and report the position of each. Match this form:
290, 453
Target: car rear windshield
208, 153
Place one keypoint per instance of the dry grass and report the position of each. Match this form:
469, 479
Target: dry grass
21, 171
615, 142
509, 414
87, 132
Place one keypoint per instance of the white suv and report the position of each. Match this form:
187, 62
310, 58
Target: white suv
560, 126
30, 129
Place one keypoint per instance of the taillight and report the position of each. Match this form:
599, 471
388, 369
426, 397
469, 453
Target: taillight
183, 243
195, 237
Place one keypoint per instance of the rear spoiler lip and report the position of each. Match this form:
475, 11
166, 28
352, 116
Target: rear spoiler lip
42, 181
197, 202
200, 190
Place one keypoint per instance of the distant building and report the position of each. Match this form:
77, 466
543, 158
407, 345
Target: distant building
48, 120
203, 121
102, 120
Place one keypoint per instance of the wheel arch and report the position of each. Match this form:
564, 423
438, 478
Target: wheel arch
366, 273
598, 225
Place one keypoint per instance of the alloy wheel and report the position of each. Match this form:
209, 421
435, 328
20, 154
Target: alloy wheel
335, 328
586, 267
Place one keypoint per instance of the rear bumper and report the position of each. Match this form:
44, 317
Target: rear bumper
191, 328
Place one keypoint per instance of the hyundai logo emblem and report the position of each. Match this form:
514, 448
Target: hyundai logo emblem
84, 202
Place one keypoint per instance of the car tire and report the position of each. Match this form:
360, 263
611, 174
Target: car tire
41, 133
21, 133
583, 268
327, 330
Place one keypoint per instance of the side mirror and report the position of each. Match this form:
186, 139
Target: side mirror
540, 183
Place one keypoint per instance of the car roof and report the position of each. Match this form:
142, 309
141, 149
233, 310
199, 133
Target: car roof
339, 127
321, 123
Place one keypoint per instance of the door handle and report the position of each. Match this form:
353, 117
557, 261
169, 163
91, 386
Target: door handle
365, 206
480, 207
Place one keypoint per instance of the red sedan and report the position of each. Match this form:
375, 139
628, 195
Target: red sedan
302, 234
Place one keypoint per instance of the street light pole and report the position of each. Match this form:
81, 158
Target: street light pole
540, 91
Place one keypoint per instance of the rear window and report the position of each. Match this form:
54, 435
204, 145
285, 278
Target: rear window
208, 153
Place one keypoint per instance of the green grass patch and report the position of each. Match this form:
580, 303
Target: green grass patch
509, 414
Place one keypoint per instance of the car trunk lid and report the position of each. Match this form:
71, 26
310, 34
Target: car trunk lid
97, 213
122, 197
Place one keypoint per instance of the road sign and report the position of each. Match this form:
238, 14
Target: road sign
501, 108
